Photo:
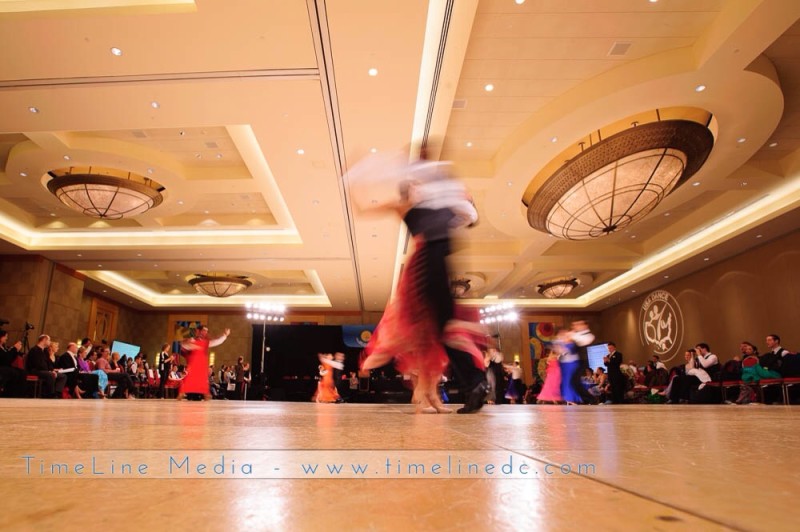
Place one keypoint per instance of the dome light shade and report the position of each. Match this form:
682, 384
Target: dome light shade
107, 194
619, 180
558, 288
220, 285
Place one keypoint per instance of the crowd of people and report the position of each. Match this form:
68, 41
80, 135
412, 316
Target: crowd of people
83, 370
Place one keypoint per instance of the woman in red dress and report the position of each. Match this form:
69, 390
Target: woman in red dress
326, 388
196, 353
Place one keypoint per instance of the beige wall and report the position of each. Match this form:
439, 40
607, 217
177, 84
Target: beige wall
743, 298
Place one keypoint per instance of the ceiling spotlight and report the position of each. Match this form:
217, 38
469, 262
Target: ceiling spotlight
488, 87
740, 140
519, 2
67, 157
218, 156
469, 144
149, 170
23, 174
666, 277
372, 72
154, 104
301, 151
180, 202
373, 150
773, 144
33, 110
759, 236
706, 259
554, 140
696, 184
700, 88
116, 51
666, 214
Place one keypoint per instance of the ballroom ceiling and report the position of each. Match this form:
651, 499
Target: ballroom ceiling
251, 113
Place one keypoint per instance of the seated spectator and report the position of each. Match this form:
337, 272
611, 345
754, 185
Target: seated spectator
12, 376
123, 382
40, 364
686, 379
707, 361
657, 361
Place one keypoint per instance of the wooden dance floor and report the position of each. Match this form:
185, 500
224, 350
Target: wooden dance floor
223, 465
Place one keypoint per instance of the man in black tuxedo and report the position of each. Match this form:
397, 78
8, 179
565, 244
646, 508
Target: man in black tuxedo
38, 363
616, 379
12, 379
164, 366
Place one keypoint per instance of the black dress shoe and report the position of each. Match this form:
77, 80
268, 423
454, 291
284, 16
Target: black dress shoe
474, 401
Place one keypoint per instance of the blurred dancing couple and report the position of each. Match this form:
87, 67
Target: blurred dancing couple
422, 330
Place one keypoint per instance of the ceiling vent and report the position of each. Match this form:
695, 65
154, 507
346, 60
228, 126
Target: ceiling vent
619, 48
459, 104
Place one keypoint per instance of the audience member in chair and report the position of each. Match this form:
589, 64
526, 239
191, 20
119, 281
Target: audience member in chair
708, 361
117, 376
39, 364
12, 376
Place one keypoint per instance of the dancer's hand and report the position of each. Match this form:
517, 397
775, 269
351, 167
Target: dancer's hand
227, 332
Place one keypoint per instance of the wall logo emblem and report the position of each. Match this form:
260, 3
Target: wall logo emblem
661, 324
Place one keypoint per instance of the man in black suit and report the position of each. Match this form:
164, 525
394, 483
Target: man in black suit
164, 366
38, 363
12, 379
616, 379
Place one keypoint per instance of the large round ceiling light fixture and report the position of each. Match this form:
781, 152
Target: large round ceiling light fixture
557, 288
220, 285
104, 193
619, 178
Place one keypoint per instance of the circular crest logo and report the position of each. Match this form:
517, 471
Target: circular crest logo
661, 324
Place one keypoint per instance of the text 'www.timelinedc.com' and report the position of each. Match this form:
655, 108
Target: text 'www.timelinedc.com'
288, 464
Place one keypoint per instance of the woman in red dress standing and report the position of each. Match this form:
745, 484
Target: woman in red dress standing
196, 354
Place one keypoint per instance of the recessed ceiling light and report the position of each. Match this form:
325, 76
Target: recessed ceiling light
666, 277
773, 144
372, 72
666, 214
99, 265
67, 157
519, 2
301, 151
653, 1
706, 259
634, 291
155, 265
23, 174
740, 140
373, 150
180, 202
488, 87
104, 291
154, 104
696, 184
744, 183
218, 156
700, 88
80, 255
116, 51
149, 170
138, 254
52, 214
469, 144
33, 110
633, 236
205, 212
181, 132
510, 183
554, 140
759, 236
315, 202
